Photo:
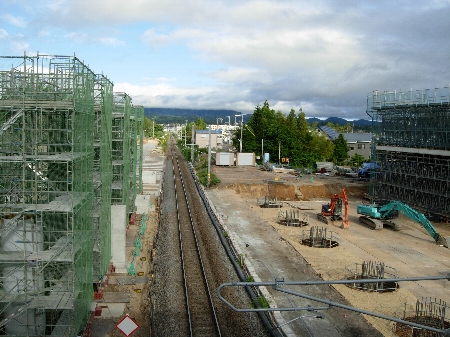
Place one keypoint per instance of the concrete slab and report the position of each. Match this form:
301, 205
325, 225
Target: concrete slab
128, 280
116, 297
111, 310
118, 234
149, 177
144, 204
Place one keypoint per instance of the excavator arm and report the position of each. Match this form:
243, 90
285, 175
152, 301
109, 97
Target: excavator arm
345, 223
389, 209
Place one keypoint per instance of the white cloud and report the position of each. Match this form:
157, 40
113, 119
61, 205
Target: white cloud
14, 20
84, 38
166, 80
111, 41
3, 33
285, 50
157, 38
205, 97
323, 55
77, 37
235, 74
19, 47
44, 33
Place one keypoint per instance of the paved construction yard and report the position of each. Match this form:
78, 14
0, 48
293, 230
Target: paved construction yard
274, 250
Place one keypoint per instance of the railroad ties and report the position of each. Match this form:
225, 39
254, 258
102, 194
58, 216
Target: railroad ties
199, 304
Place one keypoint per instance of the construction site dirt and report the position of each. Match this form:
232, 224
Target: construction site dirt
274, 250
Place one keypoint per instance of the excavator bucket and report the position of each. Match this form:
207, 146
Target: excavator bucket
345, 225
444, 240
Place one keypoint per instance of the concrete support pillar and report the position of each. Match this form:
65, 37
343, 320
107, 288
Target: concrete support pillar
119, 222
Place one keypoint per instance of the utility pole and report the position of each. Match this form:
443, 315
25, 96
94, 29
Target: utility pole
192, 145
240, 145
279, 151
153, 134
242, 125
262, 150
209, 158
185, 133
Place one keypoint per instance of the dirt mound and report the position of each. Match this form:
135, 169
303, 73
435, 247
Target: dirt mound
309, 192
249, 190
296, 192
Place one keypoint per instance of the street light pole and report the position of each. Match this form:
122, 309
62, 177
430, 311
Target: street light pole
217, 122
185, 133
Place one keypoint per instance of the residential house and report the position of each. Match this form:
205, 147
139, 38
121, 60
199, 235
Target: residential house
202, 138
358, 143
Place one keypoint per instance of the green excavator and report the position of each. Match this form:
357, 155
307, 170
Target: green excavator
376, 217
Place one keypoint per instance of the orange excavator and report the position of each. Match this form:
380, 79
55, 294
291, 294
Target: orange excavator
334, 209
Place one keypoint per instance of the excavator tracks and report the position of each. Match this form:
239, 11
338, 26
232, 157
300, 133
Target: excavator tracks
377, 224
394, 225
371, 223
322, 218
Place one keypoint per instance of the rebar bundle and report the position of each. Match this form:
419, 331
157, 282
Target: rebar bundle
291, 217
269, 202
371, 270
319, 237
429, 312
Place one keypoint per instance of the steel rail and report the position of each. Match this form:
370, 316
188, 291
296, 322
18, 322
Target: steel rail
275, 331
183, 266
192, 225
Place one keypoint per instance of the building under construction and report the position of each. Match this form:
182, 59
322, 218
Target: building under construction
69, 149
412, 147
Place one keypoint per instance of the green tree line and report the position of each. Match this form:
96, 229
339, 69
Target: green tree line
270, 131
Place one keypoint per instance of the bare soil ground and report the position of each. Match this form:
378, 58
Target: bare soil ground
411, 251
135, 288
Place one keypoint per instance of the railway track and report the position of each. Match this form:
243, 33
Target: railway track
200, 309
190, 263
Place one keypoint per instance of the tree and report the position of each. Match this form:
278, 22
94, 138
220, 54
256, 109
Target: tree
357, 160
302, 123
200, 124
264, 125
151, 129
341, 148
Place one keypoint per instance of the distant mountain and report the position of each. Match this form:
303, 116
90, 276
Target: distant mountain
211, 116
339, 121
172, 115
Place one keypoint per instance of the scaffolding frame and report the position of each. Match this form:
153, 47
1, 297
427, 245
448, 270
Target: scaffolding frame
140, 147
120, 151
411, 144
133, 159
46, 195
103, 103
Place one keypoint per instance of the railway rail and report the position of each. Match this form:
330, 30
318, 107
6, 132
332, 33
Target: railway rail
190, 263
200, 309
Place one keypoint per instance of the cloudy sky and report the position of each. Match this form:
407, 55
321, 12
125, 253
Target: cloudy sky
324, 56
